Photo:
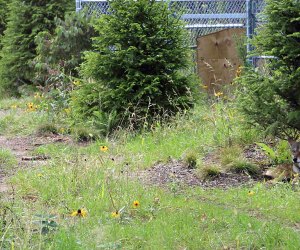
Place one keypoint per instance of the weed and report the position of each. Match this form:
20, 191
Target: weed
279, 154
7, 159
190, 159
230, 154
208, 172
242, 166
84, 134
47, 128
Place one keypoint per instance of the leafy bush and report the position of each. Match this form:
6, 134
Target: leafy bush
135, 70
270, 97
279, 154
61, 52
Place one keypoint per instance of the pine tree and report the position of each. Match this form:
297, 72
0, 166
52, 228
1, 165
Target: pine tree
26, 18
138, 65
271, 98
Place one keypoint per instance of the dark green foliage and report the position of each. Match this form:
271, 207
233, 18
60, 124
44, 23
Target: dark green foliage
25, 20
3, 15
136, 65
61, 52
271, 97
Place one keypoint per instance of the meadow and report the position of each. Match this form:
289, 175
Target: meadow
104, 195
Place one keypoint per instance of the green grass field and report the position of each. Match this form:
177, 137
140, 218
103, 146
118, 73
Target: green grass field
87, 198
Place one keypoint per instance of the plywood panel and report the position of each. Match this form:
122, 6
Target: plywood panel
217, 58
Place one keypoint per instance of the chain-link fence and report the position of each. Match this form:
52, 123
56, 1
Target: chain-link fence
202, 16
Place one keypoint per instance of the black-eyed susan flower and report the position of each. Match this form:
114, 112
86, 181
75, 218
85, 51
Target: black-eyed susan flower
79, 213
103, 148
251, 193
136, 204
116, 214
31, 106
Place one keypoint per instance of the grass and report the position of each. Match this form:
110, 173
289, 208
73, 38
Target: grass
7, 160
38, 214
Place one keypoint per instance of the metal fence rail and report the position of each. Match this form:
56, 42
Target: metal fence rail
202, 16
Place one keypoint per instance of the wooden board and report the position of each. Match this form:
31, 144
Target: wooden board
217, 57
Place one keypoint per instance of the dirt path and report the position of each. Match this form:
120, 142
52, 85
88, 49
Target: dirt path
21, 147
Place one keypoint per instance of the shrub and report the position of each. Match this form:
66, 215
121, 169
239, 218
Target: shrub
135, 70
61, 52
270, 97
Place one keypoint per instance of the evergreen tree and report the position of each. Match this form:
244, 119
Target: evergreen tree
271, 98
138, 65
26, 18
3, 14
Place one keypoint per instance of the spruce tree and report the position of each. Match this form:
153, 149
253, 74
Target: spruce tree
271, 97
3, 14
26, 18
138, 65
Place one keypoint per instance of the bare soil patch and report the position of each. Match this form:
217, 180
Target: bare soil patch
164, 174
22, 147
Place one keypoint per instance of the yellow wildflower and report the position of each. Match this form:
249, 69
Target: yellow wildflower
103, 148
68, 110
136, 204
31, 106
115, 214
251, 193
79, 213
37, 96
239, 71
14, 106
76, 83
218, 94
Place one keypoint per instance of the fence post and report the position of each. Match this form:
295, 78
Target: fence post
78, 5
249, 27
